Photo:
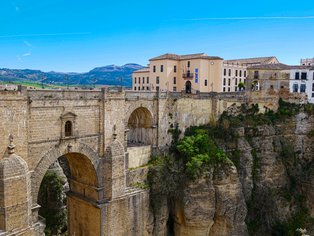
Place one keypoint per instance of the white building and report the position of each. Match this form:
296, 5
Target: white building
302, 81
307, 62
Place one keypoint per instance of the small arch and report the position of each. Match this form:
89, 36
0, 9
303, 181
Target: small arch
188, 87
68, 129
140, 125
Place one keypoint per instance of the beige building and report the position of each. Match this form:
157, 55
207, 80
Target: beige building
195, 73
235, 71
189, 73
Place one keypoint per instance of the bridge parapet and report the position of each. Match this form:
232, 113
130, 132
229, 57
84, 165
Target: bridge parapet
132, 95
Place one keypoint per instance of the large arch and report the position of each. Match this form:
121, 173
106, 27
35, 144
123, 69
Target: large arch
140, 125
85, 185
70, 151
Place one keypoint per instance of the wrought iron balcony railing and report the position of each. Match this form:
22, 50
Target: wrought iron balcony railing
188, 75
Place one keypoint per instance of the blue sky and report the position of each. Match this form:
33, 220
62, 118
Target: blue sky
68, 35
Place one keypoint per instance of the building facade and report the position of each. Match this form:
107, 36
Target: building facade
195, 73
235, 72
302, 81
189, 73
307, 62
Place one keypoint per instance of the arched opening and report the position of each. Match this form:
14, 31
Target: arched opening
67, 195
140, 125
188, 87
68, 129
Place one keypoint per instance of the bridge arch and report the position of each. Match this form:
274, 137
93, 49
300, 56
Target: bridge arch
140, 125
84, 183
80, 150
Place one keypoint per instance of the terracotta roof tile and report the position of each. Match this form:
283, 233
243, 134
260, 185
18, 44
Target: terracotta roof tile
250, 61
185, 57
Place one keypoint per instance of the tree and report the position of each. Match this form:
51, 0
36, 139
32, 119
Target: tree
241, 86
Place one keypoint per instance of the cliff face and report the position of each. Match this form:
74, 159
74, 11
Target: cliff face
268, 190
276, 172
212, 206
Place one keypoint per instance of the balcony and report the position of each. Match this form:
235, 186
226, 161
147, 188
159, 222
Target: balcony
188, 75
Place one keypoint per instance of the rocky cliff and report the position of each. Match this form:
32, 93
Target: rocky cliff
256, 177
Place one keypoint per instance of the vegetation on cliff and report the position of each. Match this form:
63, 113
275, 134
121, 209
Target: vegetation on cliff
206, 149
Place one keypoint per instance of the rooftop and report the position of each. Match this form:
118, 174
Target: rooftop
279, 66
143, 70
169, 56
252, 61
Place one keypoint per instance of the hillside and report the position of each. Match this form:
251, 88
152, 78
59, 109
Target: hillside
107, 75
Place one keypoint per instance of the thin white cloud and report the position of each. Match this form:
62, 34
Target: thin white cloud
42, 35
28, 44
27, 54
252, 18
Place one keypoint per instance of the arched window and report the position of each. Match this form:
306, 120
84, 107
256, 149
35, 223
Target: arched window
68, 129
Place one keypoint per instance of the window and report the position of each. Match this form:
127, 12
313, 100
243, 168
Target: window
229, 72
240, 73
143, 80
243, 81
236, 72
189, 63
297, 75
313, 87
161, 68
143, 88
236, 81
135, 88
174, 89
157, 88
229, 82
139, 88
154, 68
225, 71
135, 80
196, 73
175, 69
205, 82
302, 88
256, 74
295, 88
224, 89
312, 95
229, 89
157, 80
236, 89
147, 80
68, 129
304, 75
245, 73
224, 81
147, 88
174, 80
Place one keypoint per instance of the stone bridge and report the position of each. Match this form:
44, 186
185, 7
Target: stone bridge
103, 135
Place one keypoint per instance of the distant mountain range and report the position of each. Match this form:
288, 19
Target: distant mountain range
107, 75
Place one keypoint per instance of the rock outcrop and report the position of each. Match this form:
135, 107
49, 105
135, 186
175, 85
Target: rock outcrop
268, 191
212, 206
